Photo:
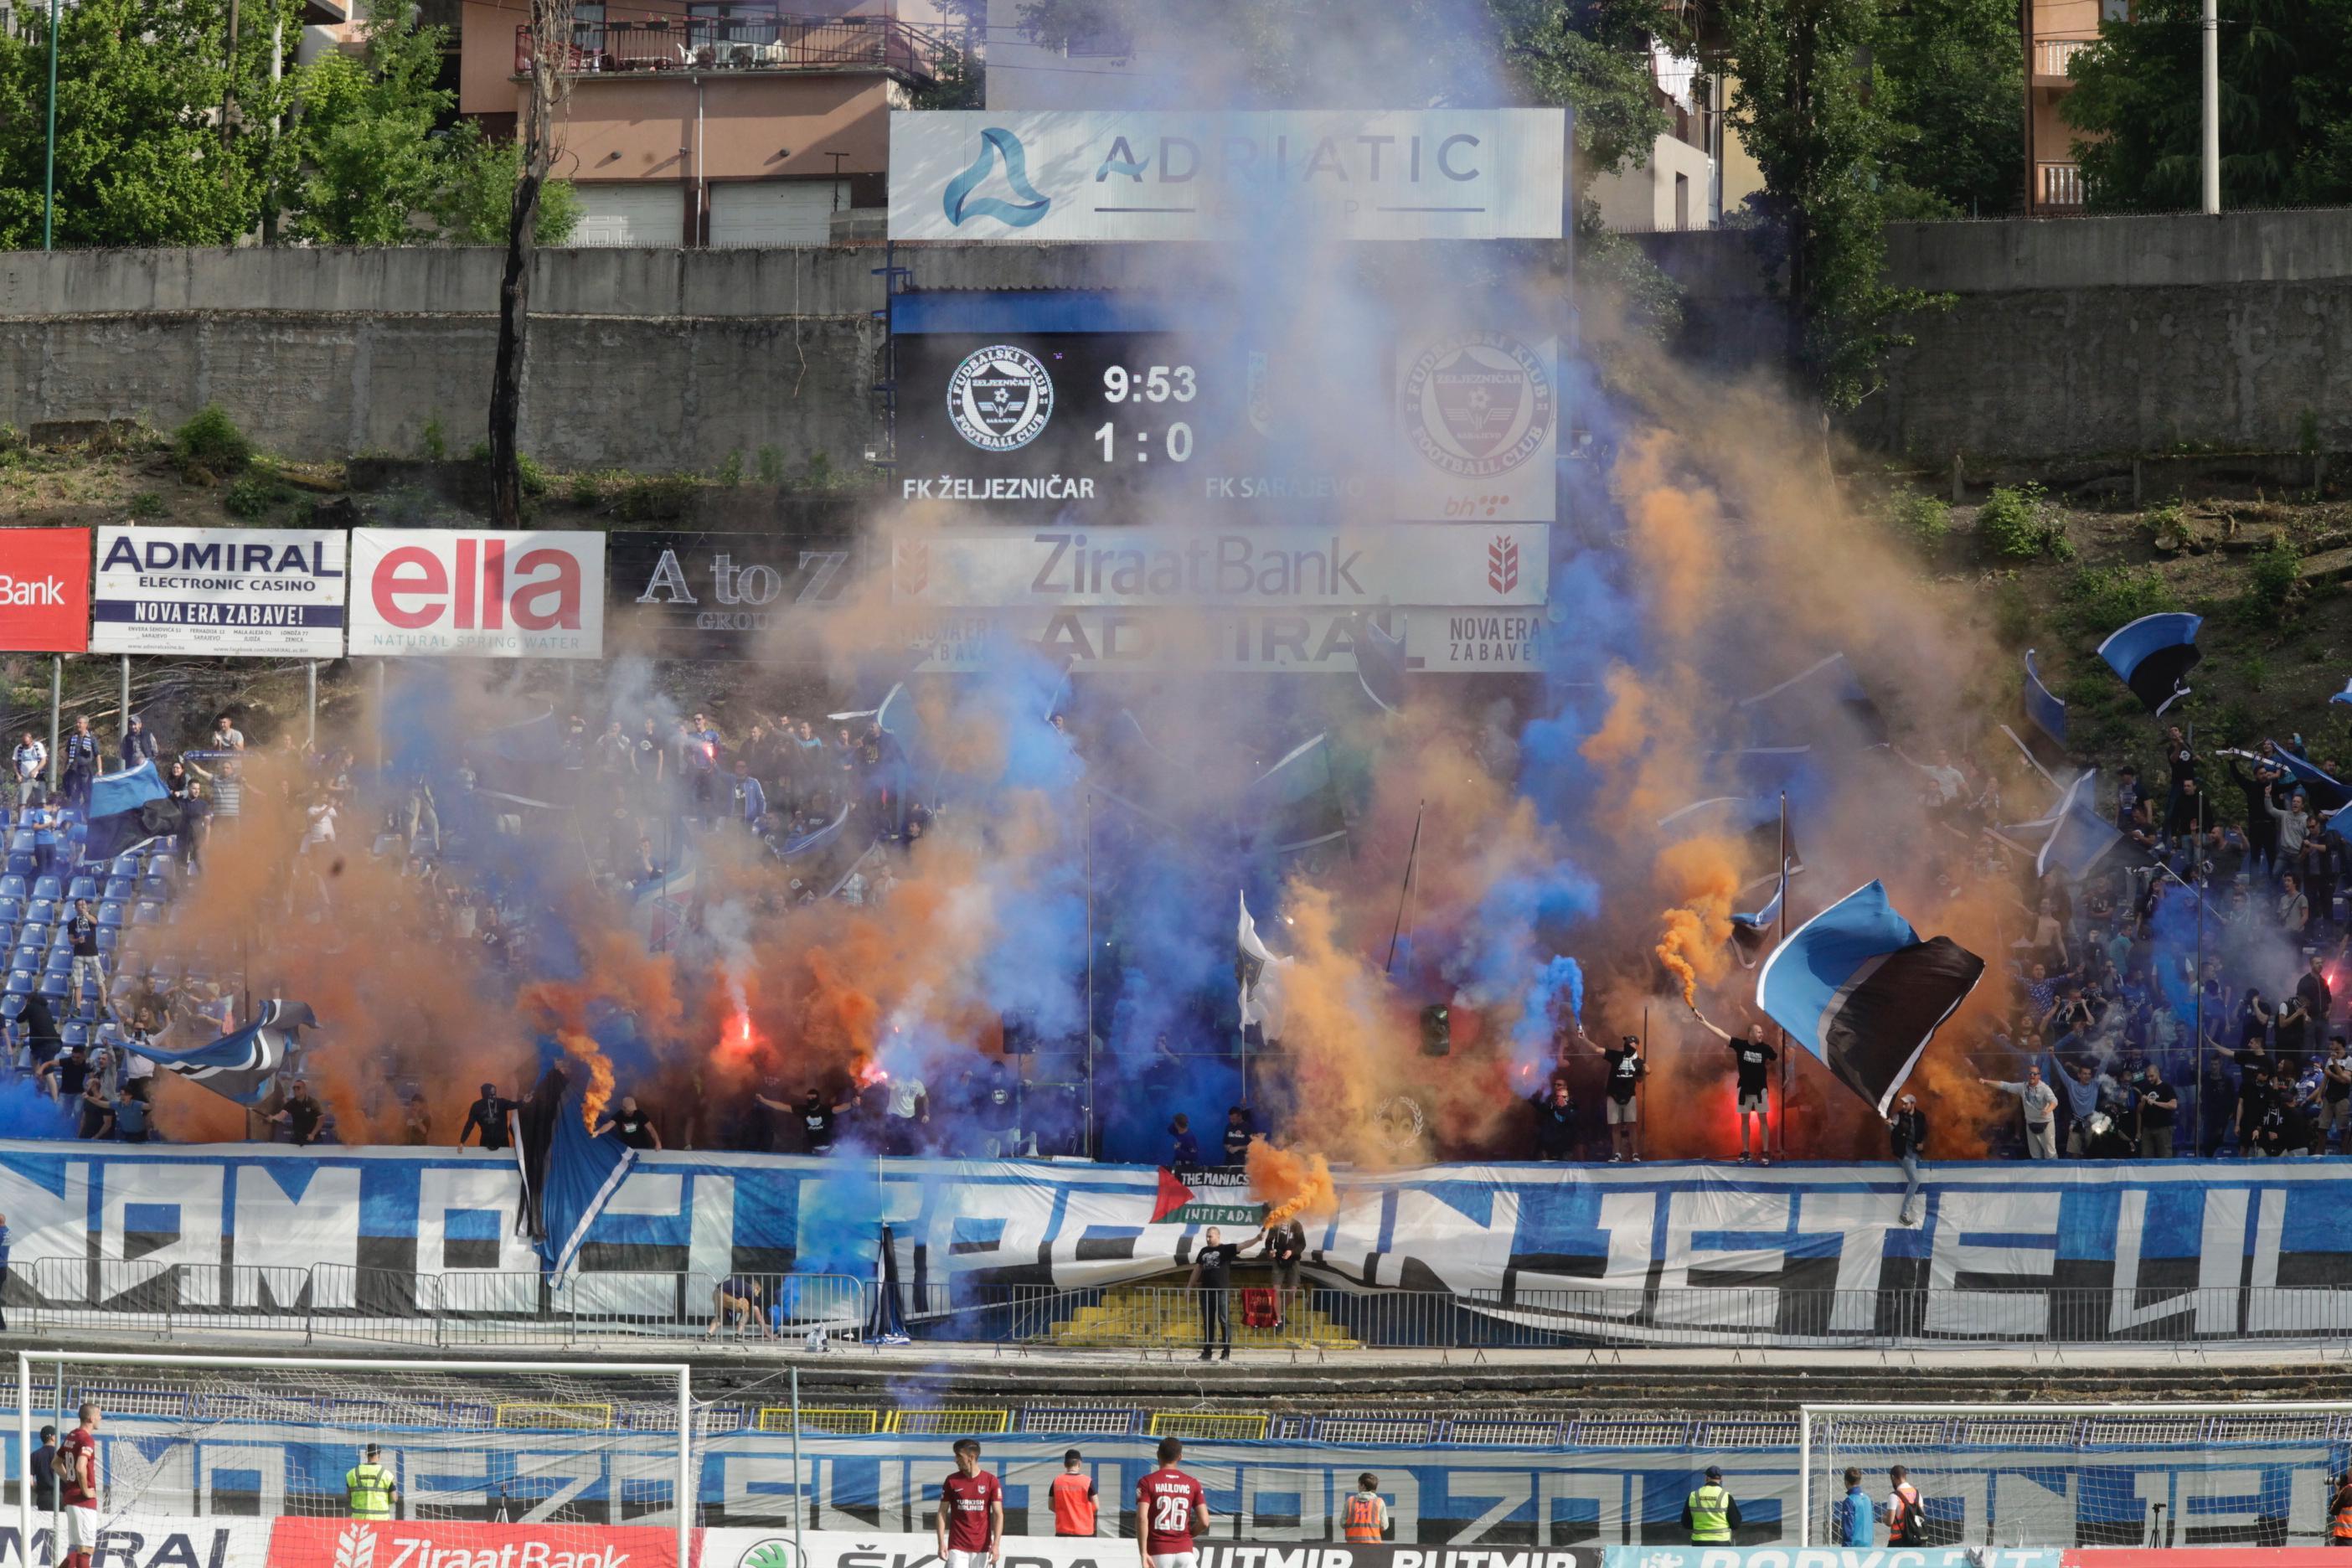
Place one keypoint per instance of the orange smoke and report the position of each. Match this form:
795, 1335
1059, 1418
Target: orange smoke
1290, 1183
1701, 874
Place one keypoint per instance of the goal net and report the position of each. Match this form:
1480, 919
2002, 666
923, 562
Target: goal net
256, 1457
2057, 1476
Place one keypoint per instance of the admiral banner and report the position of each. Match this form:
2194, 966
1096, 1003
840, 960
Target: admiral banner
1054, 568
222, 592
1037, 176
1097, 639
141, 1539
718, 595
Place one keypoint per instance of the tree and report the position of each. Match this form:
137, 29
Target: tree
2286, 106
960, 68
1806, 108
165, 123
551, 34
369, 160
1953, 76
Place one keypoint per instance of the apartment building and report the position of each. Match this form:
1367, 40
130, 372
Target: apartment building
2055, 30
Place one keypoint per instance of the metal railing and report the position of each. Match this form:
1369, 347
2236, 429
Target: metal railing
492, 1309
802, 44
2060, 185
2055, 56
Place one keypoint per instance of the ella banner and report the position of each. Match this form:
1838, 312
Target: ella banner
465, 592
1036, 176
1798, 1254
230, 592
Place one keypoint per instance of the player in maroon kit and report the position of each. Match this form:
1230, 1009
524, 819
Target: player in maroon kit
1170, 1507
971, 1512
76, 1473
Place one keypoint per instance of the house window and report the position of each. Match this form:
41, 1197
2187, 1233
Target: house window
588, 25
711, 22
2115, 10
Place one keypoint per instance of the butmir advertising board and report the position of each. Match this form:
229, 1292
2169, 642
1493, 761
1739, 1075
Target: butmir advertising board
222, 592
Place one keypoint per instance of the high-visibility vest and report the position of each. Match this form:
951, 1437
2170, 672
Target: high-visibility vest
369, 1488
2341, 1527
1903, 1518
1710, 1512
1362, 1518
1074, 1504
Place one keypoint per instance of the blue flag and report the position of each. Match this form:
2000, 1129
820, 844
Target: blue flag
1857, 987
126, 810
242, 1067
2324, 793
574, 1171
1380, 661
2042, 708
2154, 656
2079, 837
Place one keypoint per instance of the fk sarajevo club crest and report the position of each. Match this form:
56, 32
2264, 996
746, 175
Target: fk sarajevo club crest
1478, 405
1000, 398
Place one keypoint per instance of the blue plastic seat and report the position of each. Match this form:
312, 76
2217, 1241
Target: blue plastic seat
55, 987
83, 888
21, 982
12, 1007
12, 910
60, 961
40, 912
20, 865
109, 914
14, 887
108, 939
23, 841
118, 889
125, 865
73, 1035
48, 887
148, 913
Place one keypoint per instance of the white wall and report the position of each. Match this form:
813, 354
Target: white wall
1642, 201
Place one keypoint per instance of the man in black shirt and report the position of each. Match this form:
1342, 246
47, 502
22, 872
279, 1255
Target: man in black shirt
635, 1127
1754, 1059
1555, 1122
82, 931
1908, 1132
45, 1472
2158, 1106
1285, 1247
1624, 1109
1213, 1278
80, 753
2254, 1093
2335, 1095
816, 1122
302, 1114
1237, 1136
489, 1115
2313, 991
67, 1075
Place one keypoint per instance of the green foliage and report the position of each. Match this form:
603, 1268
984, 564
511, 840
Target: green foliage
772, 466
2015, 523
2286, 106
730, 471
959, 76
1652, 301
477, 200
1922, 519
2013, 614
210, 440
2255, 668
142, 155
654, 497
2271, 579
587, 488
2099, 599
434, 441
252, 496
1808, 112
535, 482
369, 160
1952, 77
146, 504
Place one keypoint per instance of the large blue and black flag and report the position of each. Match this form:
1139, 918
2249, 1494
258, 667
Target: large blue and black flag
1857, 987
128, 809
2079, 836
2323, 792
569, 1174
2154, 655
243, 1066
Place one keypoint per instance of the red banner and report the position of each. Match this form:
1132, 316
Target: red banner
44, 590
444, 1543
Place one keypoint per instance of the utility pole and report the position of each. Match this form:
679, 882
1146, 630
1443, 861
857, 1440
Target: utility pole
49, 163
2212, 28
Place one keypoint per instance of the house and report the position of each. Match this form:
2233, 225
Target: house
2055, 31
693, 122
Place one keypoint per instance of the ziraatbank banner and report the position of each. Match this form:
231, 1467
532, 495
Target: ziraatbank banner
1480, 566
1035, 176
470, 593
220, 592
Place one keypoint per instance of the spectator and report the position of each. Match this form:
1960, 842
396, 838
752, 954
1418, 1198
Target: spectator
1855, 1520
1555, 1122
129, 1116
1186, 1151
27, 762
2335, 1101
816, 1119
2040, 1103
2294, 908
2080, 1087
1907, 1129
1211, 1282
749, 801
737, 1297
2262, 829
2127, 797
89, 972
1754, 1061
301, 1115
45, 1472
97, 1108
423, 817
2312, 990
416, 1125
64, 1076
138, 744
2294, 820
1285, 1247
2273, 1133
1238, 1133
1624, 1107
226, 736
909, 1113
636, 1129
79, 754
2159, 1106
489, 1116
615, 756
2254, 1091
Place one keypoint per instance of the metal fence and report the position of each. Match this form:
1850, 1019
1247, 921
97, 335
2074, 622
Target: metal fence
484, 1308
797, 44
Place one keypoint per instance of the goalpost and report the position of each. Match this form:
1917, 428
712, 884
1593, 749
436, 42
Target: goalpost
570, 1449
2056, 1476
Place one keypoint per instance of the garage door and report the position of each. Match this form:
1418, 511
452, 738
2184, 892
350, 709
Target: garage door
776, 211
631, 215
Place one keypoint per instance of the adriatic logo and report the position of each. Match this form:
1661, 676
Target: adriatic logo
995, 142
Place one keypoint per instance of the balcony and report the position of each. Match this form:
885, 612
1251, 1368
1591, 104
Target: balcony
2058, 188
2053, 59
802, 45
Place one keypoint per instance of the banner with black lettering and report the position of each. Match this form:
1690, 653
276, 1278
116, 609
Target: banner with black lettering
692, 594
229, 592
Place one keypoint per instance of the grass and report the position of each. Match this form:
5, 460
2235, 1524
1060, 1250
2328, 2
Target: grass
211, 443
2016, 523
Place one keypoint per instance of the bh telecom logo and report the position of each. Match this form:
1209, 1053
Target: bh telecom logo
996, 145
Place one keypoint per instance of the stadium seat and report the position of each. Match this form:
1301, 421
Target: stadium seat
118, 888
88, 1012
149, 912
108, 940
13, 886
24, 958
12, 1006
12, 908
48, 887
20, 865
125, 865
20, 983
23, 841
60, 962
40, 912
83, 888
109, 914
55, 987
73, 1035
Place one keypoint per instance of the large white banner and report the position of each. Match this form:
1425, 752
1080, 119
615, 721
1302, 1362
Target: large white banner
1099, 638
1062, 175
272, 591
452, 592
1428, 564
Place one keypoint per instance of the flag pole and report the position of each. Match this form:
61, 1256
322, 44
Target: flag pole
1788, 1063
1405, 891
1087, 1143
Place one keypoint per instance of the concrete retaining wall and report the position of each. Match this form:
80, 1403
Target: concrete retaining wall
2066, 338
